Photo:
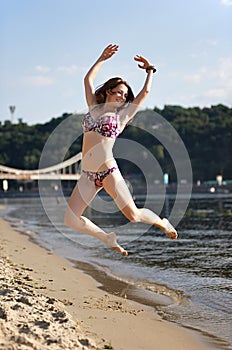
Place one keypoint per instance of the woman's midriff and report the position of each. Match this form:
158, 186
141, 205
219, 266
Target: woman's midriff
97, 154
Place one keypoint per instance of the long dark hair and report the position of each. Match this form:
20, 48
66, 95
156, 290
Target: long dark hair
110, 84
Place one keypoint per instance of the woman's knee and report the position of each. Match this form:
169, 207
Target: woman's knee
67, 218
70, 217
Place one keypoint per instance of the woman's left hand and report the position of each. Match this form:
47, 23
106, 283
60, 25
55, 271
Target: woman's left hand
143, 60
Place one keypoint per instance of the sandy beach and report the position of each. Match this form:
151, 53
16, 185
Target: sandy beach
46, 303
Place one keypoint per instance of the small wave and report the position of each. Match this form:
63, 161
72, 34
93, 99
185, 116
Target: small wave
144, 292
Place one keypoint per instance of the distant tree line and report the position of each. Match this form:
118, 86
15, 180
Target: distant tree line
205, 132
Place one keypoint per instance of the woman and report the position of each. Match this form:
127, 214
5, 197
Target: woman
110, 110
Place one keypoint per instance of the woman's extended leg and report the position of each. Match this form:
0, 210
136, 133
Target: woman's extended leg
82, 195
115, 186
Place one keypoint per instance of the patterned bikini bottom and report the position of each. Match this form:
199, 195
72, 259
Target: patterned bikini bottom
99, 176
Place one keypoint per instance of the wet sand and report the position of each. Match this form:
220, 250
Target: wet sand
47, 303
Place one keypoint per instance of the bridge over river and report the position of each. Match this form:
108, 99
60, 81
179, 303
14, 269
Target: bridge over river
67, 170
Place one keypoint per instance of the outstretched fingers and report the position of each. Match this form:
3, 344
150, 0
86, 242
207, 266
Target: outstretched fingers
109, 51
143, 60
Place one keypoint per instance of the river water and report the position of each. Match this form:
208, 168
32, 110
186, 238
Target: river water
187, 281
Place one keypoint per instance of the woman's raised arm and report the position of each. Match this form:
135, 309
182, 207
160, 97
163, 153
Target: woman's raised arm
107, 53
139, 99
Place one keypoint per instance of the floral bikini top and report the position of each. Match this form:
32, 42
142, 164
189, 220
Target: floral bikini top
107, 125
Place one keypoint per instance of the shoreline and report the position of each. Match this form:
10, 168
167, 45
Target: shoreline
223, 190
122, 323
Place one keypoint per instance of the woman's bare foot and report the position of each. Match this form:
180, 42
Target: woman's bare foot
111, 242
169, 229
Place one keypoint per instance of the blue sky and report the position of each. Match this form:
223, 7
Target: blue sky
48, 45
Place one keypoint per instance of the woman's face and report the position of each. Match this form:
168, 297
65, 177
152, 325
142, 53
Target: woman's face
117, 95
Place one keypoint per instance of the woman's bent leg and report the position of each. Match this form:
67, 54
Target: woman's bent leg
82, 195
116, 187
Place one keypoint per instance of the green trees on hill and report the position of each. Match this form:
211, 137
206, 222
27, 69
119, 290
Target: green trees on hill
206, 133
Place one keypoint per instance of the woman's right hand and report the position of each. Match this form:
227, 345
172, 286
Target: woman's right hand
108, 52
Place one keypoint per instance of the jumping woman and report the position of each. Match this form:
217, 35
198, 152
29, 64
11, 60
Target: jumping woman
110, 109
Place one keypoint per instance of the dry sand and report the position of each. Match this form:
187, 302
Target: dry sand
46, 303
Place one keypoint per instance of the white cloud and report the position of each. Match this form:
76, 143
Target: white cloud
42, 69
222, 78
211, 84
204, 47
226, 2
225, 71
196, 77
38, 81
212, 42
221, 72
193, 78
216, 94
72, 69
